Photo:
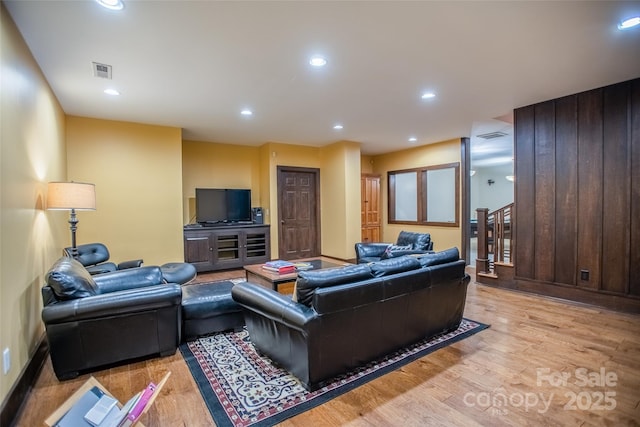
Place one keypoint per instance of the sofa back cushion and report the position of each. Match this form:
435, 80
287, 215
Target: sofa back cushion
70, 280
309, 281
442, 257
418, 241
391, 266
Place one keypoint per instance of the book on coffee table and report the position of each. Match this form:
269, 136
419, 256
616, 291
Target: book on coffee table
280, 267
302, 266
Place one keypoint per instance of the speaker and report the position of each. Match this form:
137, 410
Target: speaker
256, 214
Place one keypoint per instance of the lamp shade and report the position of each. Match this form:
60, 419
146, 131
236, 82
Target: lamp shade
71, 195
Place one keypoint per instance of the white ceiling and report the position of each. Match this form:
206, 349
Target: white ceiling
196, 64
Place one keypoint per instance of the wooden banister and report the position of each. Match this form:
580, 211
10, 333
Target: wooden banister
495, 237
482, 260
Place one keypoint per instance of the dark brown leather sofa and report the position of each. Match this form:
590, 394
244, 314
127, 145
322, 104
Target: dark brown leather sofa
346, 317
101, 320
408, 243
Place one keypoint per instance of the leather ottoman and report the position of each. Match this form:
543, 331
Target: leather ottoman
209, 308
178, 272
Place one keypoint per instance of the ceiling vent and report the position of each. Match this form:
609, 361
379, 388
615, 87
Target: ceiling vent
492, 135
101, 70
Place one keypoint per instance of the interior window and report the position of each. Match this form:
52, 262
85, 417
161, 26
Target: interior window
425, 196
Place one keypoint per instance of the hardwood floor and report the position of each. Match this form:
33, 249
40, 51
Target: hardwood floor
542, 362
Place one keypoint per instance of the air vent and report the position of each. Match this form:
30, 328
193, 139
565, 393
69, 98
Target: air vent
101, 70
492, 135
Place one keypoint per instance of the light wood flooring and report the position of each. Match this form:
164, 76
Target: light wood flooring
542, 362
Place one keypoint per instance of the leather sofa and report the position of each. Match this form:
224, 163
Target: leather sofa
408, 243
342, 318
101, 320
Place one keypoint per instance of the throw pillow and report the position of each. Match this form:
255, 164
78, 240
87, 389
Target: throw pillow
394, 251
70, 280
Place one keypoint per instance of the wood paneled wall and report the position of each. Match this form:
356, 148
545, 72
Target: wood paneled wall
578, 197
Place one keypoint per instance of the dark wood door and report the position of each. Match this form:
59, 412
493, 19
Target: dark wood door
298, 212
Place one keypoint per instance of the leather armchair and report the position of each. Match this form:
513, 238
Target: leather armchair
95, 258
408, 243
97, 321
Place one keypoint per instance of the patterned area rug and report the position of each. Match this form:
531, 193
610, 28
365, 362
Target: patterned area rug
244, 389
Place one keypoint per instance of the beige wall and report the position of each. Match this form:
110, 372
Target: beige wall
366, 164
32, 152
276, 154
340, 188
427, 155
212, 165
137, 170
228, 166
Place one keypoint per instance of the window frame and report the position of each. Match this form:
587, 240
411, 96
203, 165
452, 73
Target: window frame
422, 195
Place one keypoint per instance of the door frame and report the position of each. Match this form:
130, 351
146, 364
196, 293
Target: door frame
465, 169
316, 172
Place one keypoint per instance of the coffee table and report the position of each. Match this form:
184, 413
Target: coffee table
256, 274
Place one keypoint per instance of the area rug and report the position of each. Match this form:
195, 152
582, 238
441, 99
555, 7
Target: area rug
244, 389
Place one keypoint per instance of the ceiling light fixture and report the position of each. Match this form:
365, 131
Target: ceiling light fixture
428, 95
246, 112
629, 23
413, 139
111, 92
318, 61
111, 4
338, 127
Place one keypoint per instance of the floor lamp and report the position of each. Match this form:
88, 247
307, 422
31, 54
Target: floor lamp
71, 196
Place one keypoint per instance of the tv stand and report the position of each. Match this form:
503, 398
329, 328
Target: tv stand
226, 245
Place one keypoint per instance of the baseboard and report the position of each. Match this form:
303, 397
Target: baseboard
17, 396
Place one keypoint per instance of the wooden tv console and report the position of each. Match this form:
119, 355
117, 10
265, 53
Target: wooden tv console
220, 247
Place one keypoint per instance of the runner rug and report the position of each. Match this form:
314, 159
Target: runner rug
242, 388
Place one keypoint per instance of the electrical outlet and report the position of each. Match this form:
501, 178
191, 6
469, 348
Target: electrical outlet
6, 361
584, 275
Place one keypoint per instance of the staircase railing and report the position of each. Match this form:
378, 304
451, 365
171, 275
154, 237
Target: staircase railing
495, 238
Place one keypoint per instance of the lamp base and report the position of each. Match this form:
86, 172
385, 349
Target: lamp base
73, 222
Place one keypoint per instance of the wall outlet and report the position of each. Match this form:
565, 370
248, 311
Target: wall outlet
584, 275
6, 361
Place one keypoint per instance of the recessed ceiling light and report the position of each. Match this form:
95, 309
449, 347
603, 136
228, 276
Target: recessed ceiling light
413, 139
629, 23
428, 95
111, 92
318, 61
338, 127
111, 4
246, 112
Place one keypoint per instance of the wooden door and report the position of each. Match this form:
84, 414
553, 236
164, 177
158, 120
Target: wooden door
370, 208
298, 212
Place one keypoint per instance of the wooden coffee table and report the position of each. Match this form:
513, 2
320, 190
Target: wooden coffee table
256, 274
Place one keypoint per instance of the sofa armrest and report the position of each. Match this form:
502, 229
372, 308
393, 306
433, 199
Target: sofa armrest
132, 278
113, 304
272, 305
366, 250
134, 263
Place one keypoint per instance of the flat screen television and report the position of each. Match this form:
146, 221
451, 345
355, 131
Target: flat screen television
219, 205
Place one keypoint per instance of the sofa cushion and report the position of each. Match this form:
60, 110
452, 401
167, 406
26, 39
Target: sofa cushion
442, 257
309, 281
394, 265
70, 280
